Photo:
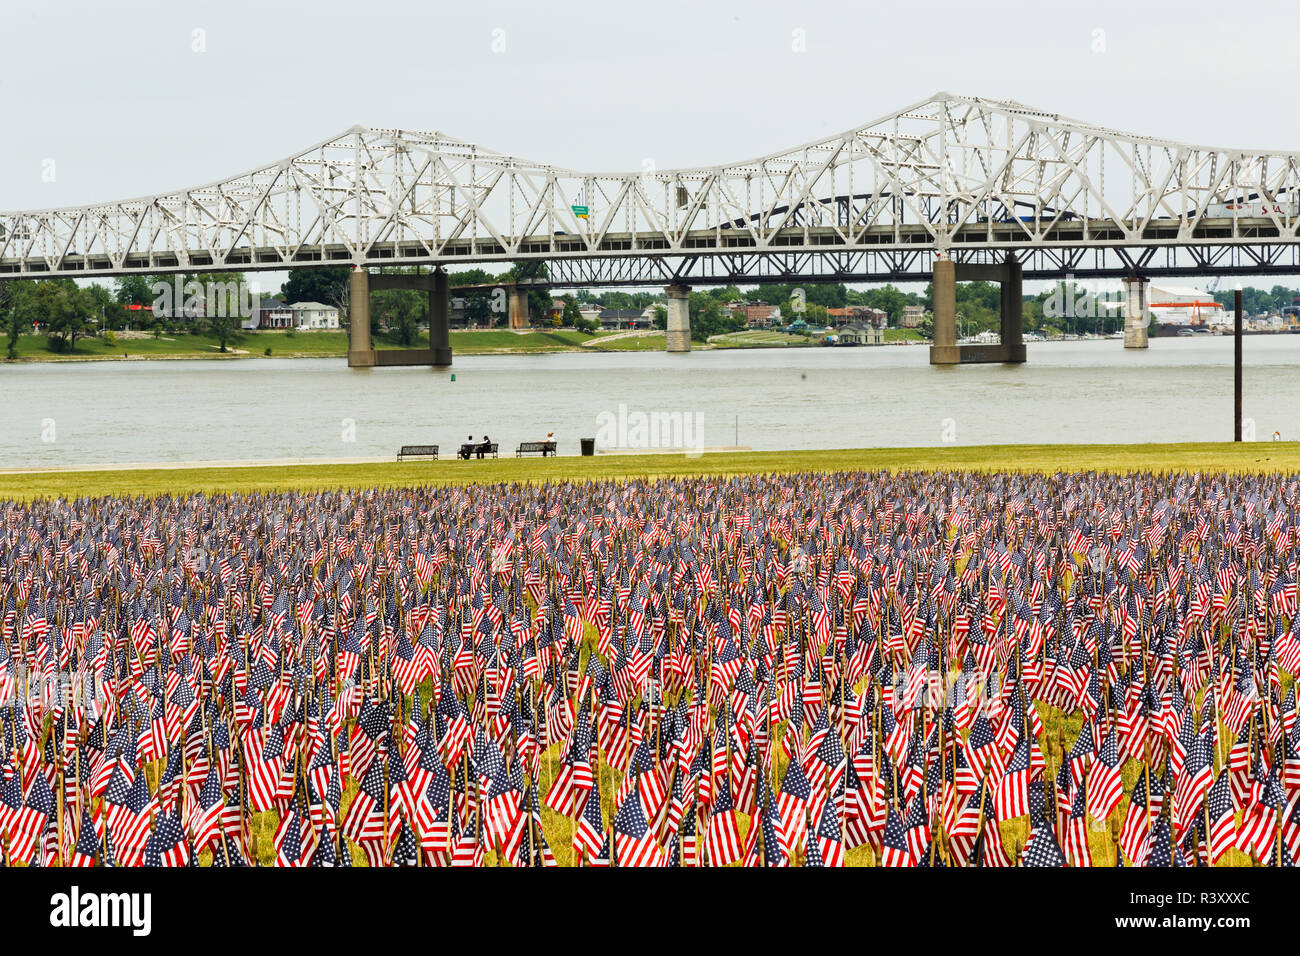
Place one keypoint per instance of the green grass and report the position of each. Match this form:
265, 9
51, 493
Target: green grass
762, 338
35, 348
478, 342
283, 344
655, 342
334, 343
1204, 456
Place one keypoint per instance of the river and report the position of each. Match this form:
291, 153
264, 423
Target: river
75, 414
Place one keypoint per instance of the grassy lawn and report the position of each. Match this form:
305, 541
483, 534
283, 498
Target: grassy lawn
656, 342
1206, 456
482, 341
334, 343
761, 338
324, 343
35, 348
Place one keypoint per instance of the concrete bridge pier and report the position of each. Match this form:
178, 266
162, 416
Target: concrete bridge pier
1011, 348
679, 318
945, 350
360, 354
1135, 312
1013, 310
440, 318
518, 308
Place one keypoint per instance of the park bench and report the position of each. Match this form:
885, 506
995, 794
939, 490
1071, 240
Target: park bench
417, 451
534, 447
470, 449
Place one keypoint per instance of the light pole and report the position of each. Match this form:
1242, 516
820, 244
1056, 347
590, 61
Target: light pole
1236, 364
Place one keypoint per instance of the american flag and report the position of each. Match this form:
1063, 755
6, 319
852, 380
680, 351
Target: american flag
414, 674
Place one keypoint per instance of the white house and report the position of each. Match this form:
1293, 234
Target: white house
314, 315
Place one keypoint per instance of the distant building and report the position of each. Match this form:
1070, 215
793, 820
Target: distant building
271, 314
912, 316
860, 314
861, 333
762, 316
627, 318
314, 315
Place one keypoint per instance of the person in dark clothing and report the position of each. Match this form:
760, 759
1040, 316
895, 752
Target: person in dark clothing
485, 447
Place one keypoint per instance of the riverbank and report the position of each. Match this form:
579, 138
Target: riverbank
1248, 457
334, 343
285, 344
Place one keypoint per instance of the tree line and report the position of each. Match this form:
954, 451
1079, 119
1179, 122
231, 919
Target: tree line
64, 311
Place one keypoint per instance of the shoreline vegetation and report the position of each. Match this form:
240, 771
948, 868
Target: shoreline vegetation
1207, 457
333, 344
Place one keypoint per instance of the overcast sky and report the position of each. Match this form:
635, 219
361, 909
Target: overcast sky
132, 98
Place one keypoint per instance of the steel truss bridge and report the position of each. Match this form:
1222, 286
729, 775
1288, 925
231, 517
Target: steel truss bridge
952, 177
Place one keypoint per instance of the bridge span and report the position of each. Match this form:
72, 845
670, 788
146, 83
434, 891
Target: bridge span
948, 188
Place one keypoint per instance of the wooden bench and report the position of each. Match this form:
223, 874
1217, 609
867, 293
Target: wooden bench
470, 449
533, 447
418, 451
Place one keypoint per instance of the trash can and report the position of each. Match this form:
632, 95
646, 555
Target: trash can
588, 446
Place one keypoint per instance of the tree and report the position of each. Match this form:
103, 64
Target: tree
572, 315
539, 302
11, 314
832, 295
402, 311
63, 310
768, 295
470, 277
328, 284
709, 318
816, 314
660, 321
478, 308
101, 305
223, 328
887, 298
811, 312
616, 299
134, 290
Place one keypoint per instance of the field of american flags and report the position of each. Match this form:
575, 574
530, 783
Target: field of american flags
904, 667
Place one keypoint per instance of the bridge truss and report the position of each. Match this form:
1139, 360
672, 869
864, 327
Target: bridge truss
959, 177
